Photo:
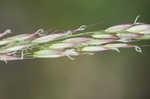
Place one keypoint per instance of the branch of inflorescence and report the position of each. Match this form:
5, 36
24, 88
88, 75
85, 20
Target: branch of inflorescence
71, 43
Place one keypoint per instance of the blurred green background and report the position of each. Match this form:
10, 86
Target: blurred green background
106, 75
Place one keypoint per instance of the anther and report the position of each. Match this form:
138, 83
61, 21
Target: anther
82, 27
39, 31
116, 49
22, 54
136, 19
138, 49
7, 31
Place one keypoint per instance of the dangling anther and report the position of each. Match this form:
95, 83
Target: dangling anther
71, 58
22, 54
39, 31
136, 19
138, 49
7, 31
116, 49
36, 34
82, 27
4, 60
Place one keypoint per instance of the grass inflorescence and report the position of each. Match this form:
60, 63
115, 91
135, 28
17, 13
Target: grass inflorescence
71, 43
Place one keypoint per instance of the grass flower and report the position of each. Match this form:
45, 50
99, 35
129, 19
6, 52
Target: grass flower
74, 42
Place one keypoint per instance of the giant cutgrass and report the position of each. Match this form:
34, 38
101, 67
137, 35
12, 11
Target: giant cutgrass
72, 42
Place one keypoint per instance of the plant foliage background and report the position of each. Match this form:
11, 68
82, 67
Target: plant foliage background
102, 76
